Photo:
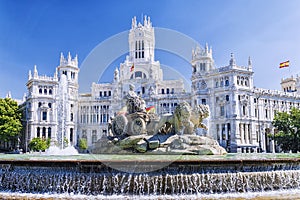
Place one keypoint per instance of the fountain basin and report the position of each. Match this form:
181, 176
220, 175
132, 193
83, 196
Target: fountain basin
186, 175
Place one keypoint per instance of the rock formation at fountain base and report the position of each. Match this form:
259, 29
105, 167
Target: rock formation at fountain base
160, 144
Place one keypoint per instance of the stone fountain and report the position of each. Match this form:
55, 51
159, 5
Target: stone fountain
141, 131
151, 157
58, 145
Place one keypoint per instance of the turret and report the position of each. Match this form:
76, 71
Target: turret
69, 67
202, 60
68, 61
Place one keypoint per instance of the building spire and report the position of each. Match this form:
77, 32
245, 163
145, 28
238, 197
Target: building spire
249, 63
232, 60
133, 23
35, 72
206, 48
69, 57
29, 75
55, 74
8, 95
62, 58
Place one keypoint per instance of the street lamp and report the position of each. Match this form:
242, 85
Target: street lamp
258, 117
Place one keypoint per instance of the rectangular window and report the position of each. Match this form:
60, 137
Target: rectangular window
100, 94
163, 91
203, 101
44, 117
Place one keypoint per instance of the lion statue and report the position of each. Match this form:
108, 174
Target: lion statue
185, 120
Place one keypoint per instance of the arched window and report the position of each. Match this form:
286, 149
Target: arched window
45, 91
242, 81
49, 105
40, 104
40, 91
50, 91
138, 74
227, 97
71, 135
226, 82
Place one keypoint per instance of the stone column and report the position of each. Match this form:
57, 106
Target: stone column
226, 132
246, 133
242, 133
220, 134
272, 142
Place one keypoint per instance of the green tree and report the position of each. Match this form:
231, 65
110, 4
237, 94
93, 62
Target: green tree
288, 126
83, 144
38, 144
10, 119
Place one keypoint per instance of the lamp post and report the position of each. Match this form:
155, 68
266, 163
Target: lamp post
258, 118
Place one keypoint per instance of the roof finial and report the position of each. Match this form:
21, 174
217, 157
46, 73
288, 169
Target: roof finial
35, 72
145, 20
55, 73
8, 95
206, 48
249, 61
232, 60
29, 75
69, 57
133, 23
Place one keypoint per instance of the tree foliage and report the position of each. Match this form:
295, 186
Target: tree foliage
288, 126
39, 144
83, 144
10, 119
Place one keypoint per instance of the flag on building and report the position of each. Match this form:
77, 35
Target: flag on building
284, 64
132, 68
150, 109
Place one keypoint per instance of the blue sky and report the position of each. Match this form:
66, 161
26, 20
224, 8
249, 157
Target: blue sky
35, 32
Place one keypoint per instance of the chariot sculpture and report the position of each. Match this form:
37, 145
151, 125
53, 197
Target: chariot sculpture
138, 129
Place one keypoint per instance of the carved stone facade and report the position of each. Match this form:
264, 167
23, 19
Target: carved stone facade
240, 114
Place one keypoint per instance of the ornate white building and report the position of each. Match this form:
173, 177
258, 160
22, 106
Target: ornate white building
52, 102
240, 114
